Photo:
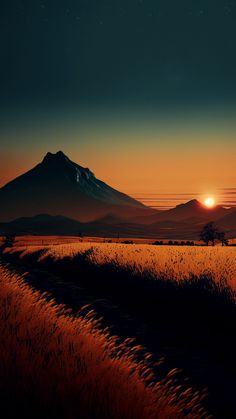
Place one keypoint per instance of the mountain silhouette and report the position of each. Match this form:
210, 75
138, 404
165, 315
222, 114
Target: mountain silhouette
57, 185
42, 224
191, 212
228, 222
111, 226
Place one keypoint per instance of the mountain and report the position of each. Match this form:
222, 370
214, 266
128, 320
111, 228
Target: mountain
48, 225
42, 224
228, 222
192, 212
57, 185
112, 226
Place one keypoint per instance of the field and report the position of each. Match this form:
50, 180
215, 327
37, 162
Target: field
55, 240
59, 365
178, 303
167, 262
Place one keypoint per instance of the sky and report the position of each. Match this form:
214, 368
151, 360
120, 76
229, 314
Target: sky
143, 92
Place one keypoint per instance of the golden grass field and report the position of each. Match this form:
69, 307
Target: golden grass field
170, 262
181, 298
54, 240
59, 365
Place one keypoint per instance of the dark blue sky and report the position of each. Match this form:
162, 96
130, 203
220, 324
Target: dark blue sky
138, 53
141, 91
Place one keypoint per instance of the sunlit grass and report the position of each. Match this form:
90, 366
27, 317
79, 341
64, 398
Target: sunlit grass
59, 365
170, 262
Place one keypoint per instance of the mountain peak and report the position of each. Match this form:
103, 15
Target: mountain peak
58, 185
193, 203
58, 156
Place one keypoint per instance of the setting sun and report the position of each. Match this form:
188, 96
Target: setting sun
209, 202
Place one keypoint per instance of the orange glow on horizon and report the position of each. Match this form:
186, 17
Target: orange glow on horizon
159, 174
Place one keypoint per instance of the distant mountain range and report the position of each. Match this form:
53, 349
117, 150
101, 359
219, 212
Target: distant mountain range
110, 226
192, 212
30, 204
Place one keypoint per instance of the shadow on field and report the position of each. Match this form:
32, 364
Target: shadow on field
191, 323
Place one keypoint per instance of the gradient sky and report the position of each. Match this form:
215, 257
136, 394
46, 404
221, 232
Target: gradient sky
141, 91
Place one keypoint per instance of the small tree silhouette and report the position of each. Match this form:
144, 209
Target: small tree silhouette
8, 240
209, 233
220, 235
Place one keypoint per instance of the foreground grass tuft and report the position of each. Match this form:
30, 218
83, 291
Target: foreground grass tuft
57, 365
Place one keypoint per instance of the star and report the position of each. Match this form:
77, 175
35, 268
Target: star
228, 10
200, 12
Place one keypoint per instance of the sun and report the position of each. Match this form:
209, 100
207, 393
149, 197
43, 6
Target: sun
209, 202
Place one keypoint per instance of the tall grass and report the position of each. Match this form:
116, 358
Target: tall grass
57, 365
175, 263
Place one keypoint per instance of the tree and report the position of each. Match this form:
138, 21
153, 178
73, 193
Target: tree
9, 240
221, 237
209, 233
